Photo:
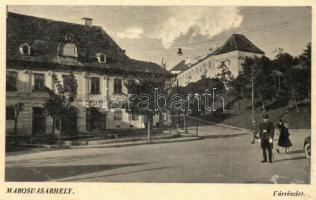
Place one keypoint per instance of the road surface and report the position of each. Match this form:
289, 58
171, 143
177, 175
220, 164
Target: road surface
224, 156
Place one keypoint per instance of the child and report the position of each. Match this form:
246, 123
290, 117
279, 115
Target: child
284, 140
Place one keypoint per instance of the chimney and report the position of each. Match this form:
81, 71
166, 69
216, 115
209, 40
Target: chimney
87, 21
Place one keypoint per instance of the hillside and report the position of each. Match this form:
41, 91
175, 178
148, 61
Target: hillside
239, 114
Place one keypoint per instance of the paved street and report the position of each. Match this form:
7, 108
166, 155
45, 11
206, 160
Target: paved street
224, 156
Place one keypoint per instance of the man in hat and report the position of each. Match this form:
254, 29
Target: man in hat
266, 134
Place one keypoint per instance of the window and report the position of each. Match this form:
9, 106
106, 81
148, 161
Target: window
69, 50
25, 49
10, 113
133, 116
101, 58
95, 85
118, 115
67, 83
39, 81
117, 86
11, 82
209, 64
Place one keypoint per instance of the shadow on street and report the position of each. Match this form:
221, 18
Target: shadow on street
223, 136
117, 174
288, 159
297, 151
50, 173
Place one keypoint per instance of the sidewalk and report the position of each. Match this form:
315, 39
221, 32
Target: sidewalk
108, 143
134, 143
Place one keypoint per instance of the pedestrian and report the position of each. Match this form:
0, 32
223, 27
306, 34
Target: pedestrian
284, 137
254, 130
266, 134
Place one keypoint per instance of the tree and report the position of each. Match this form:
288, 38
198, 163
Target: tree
305, 61
297, 83
196, 99
241, 88
58, 103
298, 77
18, 107
305, 57
142, 94
224, 75
259, 70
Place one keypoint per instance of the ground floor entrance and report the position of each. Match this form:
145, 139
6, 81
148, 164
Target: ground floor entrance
38, 121
95, 119
69, 122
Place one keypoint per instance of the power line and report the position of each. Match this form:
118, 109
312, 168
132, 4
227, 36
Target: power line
244, 32
223, 36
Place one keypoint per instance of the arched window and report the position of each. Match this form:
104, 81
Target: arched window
68, 50
25, 49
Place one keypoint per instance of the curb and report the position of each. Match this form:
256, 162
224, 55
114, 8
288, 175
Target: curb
224, 125
67, 144
121, 140
137, 143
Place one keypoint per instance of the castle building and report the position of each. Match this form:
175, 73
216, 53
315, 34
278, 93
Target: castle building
233, 53
38, 49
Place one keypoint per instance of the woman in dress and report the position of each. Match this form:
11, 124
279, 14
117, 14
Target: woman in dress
284, 137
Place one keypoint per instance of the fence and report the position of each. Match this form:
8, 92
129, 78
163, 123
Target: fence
187, 124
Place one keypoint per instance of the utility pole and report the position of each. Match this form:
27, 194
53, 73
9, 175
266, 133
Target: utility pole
178, 120
163, 64
252, 95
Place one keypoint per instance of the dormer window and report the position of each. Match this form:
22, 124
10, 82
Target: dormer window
25, 49
101, 58
67, 51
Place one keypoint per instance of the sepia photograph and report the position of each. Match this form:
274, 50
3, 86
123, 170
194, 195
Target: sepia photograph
158, 94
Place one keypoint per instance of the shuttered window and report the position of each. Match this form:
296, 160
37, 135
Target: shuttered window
117, 86
95, 85
39, 81
11, 82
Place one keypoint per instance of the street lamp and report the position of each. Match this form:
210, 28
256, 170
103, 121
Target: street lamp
179, 52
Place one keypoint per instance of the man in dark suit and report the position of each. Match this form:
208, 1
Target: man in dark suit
266, 134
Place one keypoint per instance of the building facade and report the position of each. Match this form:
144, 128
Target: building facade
39, 50
233, 53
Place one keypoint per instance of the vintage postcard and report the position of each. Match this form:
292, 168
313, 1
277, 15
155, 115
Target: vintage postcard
147, 100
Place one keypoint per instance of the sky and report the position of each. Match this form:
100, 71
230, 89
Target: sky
153, 33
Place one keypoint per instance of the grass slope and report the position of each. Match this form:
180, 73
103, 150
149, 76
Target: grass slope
239, 114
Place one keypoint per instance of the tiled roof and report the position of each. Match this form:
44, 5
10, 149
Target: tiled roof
44, 36
234, 43
240, 43
181, 66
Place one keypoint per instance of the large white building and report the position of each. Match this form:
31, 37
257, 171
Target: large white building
233, 53
39, 48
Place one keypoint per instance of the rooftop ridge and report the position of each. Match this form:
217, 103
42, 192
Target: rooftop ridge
50, 20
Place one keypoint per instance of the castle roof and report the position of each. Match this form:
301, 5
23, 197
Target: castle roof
238, 42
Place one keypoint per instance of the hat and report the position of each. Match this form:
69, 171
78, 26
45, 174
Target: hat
265, 116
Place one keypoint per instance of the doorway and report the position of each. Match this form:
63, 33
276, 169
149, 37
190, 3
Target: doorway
69, 122
38, 121
95, 119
